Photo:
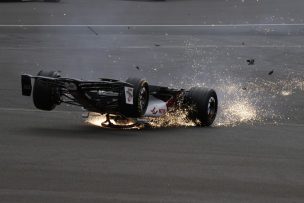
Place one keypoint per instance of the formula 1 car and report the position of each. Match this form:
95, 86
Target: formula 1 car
120, 101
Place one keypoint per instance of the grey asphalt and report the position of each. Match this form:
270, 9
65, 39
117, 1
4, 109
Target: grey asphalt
56, 157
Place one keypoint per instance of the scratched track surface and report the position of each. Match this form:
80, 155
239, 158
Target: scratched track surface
55, 157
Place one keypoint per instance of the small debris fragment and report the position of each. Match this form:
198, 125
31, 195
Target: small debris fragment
92, 30
271, 72
250, 61
243, 43
244, 88
128, 27
157, 45
137, 68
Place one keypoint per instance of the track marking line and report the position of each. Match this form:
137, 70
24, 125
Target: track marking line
153, 25
161, 47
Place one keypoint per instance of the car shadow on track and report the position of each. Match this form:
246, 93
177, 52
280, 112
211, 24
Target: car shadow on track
94, 132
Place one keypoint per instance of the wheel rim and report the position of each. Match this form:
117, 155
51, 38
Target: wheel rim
143, 98
211, 108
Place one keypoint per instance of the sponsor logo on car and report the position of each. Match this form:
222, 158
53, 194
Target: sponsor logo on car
129, 95
158, 111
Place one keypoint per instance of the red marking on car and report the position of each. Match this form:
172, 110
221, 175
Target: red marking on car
162, 111
171, 102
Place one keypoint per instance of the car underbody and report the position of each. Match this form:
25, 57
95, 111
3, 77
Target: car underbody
133, 100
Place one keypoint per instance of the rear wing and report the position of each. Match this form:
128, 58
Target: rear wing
26, 84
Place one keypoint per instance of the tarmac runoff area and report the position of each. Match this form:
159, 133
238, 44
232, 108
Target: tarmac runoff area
253, 153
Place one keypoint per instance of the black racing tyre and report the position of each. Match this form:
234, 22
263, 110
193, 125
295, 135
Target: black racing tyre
202, 105
140, 98
45, 97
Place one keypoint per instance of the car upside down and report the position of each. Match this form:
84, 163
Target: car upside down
120, 100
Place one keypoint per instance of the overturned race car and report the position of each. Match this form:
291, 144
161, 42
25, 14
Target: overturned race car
124, 104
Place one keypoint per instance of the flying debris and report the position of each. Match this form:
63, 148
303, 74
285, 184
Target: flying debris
271, 72
250, 61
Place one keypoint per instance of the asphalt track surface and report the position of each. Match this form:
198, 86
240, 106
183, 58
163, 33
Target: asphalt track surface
55, 157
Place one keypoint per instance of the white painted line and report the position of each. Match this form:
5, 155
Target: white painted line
152, 25
153, 47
